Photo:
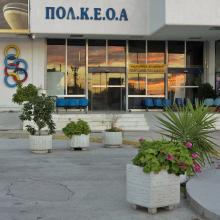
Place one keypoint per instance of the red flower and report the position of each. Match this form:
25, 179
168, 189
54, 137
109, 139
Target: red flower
189, 145
197, 168
170, 157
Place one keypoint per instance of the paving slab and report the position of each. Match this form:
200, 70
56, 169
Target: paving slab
70, 185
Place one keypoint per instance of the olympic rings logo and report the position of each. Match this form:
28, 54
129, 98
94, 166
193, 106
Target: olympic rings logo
15, 68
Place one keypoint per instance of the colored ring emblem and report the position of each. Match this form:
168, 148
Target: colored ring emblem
15, 48
15, 68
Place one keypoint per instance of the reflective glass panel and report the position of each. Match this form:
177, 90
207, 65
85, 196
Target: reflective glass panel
176, 56
217, 67
76, 67
116, 53
155, 84
156, 52
137, 84
194, 54
97, 53
56, 67
137, 52
183, 85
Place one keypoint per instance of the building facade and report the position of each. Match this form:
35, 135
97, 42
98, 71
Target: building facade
76, 48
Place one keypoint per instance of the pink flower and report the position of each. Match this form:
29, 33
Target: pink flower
189, 145
195, 155
197, 168
141, 139
170, 157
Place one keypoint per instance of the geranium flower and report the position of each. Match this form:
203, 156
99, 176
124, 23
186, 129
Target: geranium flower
197, 168
170, 157
189, 145
141, 139
195, 155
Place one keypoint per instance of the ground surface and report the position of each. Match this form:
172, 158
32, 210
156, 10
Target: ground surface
67, 185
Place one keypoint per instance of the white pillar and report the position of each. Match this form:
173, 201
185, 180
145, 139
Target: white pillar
210, 75
39, 60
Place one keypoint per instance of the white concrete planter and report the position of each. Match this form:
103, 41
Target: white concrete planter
41, 144
152, 190
80, 141
113, 138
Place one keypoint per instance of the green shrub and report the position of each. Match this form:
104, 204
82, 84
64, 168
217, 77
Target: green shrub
193, 127
76, 128
39, 110
25, 93
206, 91
155, 156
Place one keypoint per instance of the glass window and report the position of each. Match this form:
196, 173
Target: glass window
137, 84
194, 54
137, 52
76, 67
156, 52
97, 53
155, 84
116, 53
56, 68
146, 84
176, 54
183, 85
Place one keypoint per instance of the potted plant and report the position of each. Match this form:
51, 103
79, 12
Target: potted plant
153, 178
193, 127
37, 114
25, 93
79, 134
113, 135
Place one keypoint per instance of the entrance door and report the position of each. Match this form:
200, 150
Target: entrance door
107, 91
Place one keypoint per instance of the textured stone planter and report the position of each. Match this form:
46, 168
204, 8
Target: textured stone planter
113, 138
80, 141
152, 190
41, 144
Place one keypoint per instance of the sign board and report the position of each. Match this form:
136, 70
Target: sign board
115, 17
14, 16
147, 68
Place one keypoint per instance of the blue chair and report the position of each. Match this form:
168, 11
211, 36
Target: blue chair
209, 102
167, 103
179, 102
158, 103
73, 103
148, 103
83, 103
217, 102
61, 103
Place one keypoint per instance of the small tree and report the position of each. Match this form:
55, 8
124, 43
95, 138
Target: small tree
39, 110
25, 93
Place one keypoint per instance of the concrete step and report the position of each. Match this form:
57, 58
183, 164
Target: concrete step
100, 122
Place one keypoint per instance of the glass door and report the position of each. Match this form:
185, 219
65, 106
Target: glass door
107, 91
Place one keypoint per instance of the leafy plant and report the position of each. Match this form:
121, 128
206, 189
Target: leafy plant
205, 91
39, 110
155, 156
113, 127
25, 93
76, 128
192, 127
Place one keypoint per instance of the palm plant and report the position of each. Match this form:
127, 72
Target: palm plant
191, 125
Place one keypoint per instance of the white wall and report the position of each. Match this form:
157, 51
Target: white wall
156, 15
193, 12
136, 12
34, 53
